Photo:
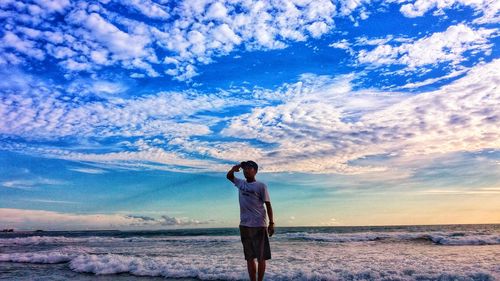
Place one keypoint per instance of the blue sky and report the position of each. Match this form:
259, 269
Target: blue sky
128, 114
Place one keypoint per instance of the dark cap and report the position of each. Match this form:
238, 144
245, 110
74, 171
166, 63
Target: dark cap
249, 164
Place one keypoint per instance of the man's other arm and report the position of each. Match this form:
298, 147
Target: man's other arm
230, 174
269, 209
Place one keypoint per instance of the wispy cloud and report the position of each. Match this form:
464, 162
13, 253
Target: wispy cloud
485, 190
434, 80
30, 183
50, 201
331, 222
89, 170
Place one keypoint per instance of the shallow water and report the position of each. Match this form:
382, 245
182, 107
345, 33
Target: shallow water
458, 252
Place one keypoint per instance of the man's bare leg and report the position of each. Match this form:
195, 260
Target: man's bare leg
262, 269
251, 269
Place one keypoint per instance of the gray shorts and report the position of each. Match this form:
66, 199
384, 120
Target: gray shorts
255, 243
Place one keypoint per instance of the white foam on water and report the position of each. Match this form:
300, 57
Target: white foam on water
466, 240
206, 269
334, 237
40, 240
48, 240
189, 267
442, 238
300, 262
61, 255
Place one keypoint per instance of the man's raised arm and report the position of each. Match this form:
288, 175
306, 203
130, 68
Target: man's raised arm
230, 174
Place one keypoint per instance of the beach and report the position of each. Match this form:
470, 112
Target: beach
449, 252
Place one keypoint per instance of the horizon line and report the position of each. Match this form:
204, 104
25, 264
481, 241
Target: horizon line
203, 228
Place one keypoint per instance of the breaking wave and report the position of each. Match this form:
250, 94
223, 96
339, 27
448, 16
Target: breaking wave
50, 240
209, 269
441, 238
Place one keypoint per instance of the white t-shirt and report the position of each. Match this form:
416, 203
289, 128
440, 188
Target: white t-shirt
252, 197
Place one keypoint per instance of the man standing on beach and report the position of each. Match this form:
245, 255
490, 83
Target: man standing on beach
253, 227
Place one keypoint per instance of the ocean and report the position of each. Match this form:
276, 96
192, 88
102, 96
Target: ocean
437, 252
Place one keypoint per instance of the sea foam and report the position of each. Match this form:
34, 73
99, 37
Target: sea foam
61, 255
49, 240
288, 263
441, 238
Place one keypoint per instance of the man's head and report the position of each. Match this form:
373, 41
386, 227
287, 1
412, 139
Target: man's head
250, 168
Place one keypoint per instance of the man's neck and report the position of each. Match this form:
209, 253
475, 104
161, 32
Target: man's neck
251, 180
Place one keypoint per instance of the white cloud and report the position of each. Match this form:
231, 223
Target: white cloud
37, 111
85, 41
27, 47
216, 11
227, 151
60, 52
317, 125
120, 43
434, 80
147, 157
53, 5
489, 9
30, 183
73, 65
50, 220
167, 220
375, 41
221, 27
195, 32
348, 6
89, 170
322, 129
492, 190
148, 8
50, 201
342, 44
317, 29
100, 56
330, 222
108, 87
449, 45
